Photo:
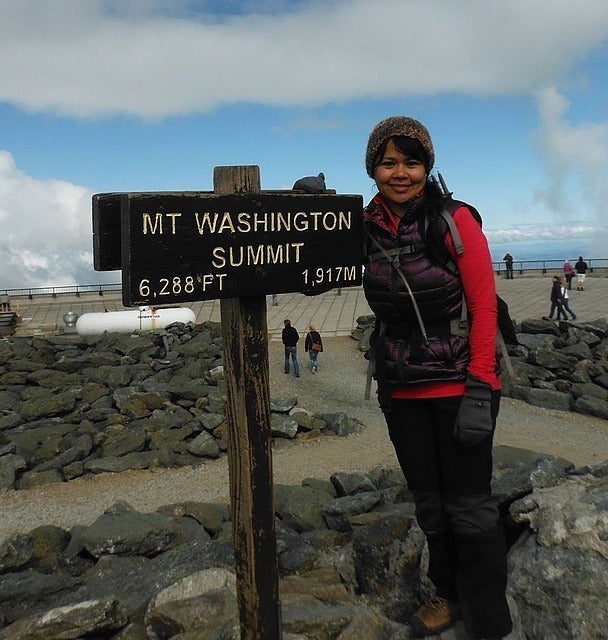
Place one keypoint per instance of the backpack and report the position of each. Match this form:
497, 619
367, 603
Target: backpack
506, 326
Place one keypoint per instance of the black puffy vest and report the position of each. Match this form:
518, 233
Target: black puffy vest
403, 356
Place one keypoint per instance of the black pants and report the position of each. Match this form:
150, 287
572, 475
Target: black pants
560, 311
455, 509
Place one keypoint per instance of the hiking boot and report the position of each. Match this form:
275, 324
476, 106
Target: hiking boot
434, 616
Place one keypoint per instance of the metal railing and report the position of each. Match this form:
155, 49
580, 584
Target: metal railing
519, 266
544, 266
75, 290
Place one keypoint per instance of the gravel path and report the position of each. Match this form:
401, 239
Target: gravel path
338, 386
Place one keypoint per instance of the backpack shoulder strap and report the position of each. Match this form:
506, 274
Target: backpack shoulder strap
447, 214
454, 231
502, 309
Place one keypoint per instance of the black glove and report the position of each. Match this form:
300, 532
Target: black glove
474, 420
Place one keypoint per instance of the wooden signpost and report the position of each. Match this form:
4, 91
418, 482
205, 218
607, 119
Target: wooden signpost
236, 244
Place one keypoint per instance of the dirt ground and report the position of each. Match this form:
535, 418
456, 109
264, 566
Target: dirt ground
338, 386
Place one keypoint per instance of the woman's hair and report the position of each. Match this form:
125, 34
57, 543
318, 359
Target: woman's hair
311, 327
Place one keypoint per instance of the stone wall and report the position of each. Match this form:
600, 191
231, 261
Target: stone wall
72, 406
557, 365
351, 556
351, 561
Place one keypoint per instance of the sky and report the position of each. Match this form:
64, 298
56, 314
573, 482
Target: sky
102, 96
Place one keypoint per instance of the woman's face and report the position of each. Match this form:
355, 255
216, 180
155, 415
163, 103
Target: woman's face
399, 178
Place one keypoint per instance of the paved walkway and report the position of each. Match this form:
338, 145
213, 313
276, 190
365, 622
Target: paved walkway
334, 313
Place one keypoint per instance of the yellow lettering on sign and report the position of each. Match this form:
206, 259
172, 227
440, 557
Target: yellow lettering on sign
271, 221
256, 255
156, 226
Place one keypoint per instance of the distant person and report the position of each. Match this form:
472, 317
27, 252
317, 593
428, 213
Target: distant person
290, 337
556, 300
508, 259
581, 270
568, 273
566, 300
314, 346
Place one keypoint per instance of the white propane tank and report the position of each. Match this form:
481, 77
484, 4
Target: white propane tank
141, 319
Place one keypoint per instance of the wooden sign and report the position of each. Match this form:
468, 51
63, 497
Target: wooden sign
189, 246
106, 232
236, 244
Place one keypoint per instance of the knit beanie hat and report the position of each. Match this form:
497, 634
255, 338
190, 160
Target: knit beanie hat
398, 126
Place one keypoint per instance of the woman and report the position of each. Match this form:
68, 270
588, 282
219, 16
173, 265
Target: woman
568, 273
314, 345
434, 376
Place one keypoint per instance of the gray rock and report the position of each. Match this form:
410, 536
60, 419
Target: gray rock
583, 335
8, 472
29, 592
282, 426
517, 472
313, 619
211, 421
47, 405
118, 440
307, 420
31, 479
341, 424
531, 371
204, 446
552, 359
560, 592
117, 464
16, 552
301, 508
71, 621
121, 530
338, 512
542, 397
347, 484
284, 404
602, 380
580, 350
534, 326
387, 557
592, 405
204, 601
211, 515
534, 341
579, 390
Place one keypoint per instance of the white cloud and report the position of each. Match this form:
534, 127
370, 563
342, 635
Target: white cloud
576, 159
93, 58
157, 58
536, 233
44, 226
